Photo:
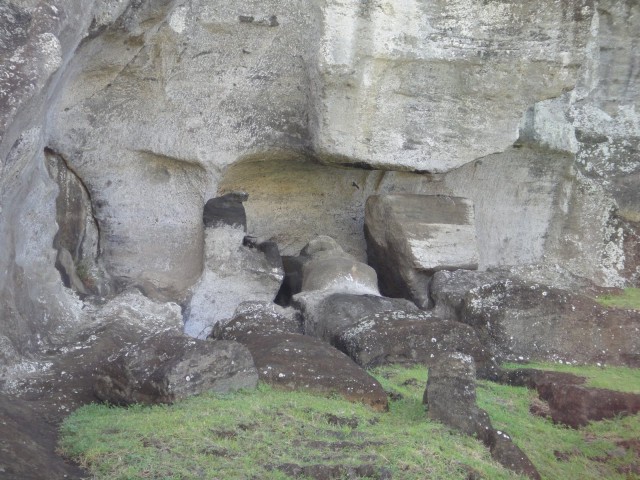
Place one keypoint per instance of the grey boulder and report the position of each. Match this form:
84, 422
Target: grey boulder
402, 337
410, 237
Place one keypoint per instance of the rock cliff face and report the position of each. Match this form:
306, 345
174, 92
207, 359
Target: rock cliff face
526, 108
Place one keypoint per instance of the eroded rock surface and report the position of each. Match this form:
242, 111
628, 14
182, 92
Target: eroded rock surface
568, 400
401, 337
133, 352
327, 316
295, 361
377, 88
410, 237
236, 270
520, 320
264, 318
328, 267
577, 405
148, 116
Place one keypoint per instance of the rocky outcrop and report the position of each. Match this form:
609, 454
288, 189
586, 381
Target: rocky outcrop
133, 352
529, 111
410, 237
78, 238
450, 398
430, 86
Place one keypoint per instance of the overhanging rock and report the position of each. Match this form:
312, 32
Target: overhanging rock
410, 237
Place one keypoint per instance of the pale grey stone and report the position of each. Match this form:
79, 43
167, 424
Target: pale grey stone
233, 273
410, 237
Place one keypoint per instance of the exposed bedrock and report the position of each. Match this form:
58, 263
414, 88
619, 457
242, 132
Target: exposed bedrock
530, 205
158, 105
396, 80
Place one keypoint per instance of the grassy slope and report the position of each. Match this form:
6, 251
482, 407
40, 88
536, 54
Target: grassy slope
243, 435
613, 378
629, 298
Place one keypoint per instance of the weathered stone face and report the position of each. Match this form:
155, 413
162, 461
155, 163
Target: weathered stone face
397, 79
234, 272
149, 102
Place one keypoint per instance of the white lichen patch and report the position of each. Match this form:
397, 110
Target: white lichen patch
51, 52
178, 19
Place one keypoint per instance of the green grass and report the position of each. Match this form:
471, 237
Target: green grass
629, 298
247, 435
560, 452
622, 379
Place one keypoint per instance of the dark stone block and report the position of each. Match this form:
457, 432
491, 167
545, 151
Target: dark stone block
226, 210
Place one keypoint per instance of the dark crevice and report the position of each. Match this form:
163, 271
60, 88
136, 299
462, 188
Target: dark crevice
83, 185
77, 240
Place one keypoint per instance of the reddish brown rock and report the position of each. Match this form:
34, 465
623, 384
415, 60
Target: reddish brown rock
566, 400
286, 358
300, 362
576, 405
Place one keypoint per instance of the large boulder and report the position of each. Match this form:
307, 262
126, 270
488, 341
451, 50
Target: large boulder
327, 316
323, 267
449, 288
520, 320
450, 398
294, 361
410, 237
402, 337
392, 99
255, 317
328, 267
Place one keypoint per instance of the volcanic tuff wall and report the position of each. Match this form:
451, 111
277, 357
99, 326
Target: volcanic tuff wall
528, 108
